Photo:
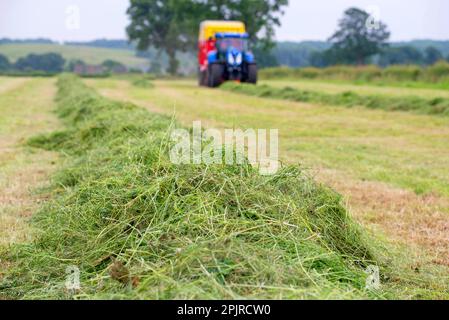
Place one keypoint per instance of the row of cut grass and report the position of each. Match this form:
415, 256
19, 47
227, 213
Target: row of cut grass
434, 106
138, 226
439, 72
329, 86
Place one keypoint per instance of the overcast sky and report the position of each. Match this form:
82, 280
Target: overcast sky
304, 19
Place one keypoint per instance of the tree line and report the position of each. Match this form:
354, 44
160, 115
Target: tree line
48, 62
354, 43
27, 41
360, 40
51, 63
402, 55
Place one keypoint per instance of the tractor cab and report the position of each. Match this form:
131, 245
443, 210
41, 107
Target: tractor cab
225, 54
229, 41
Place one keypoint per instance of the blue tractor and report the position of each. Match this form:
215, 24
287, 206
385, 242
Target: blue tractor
231, 60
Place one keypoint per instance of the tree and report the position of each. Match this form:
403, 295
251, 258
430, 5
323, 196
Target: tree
432, 55
49, 62
356, 39
113, 66
401, 55
265, 58
172, 25
162, 24
4, 63
73, 63
155, 67
321, 59
317, 59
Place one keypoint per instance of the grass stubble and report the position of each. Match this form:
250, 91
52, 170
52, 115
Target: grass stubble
22, 169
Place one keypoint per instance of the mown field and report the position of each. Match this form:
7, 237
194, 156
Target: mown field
141, 227
23, 171
392, 166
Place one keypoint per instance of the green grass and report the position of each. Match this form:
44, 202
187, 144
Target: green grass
434, 106
142, 83
437, 73
88, 54
138, 226
442, 86
192, 232
361, 88
403, 149
397, 153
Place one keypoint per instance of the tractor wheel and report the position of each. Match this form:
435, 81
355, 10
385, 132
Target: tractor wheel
215, 75
252, 74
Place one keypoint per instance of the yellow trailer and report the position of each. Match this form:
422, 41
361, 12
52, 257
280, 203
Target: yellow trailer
209, 28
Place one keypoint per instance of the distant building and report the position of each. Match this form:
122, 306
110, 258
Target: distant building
88, 70
119, 69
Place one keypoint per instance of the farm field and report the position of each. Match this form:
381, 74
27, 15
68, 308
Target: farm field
137, 225
391, 166
224, 158
90, 55
22, 170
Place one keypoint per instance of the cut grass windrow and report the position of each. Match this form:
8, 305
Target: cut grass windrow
139, 227
435, 106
